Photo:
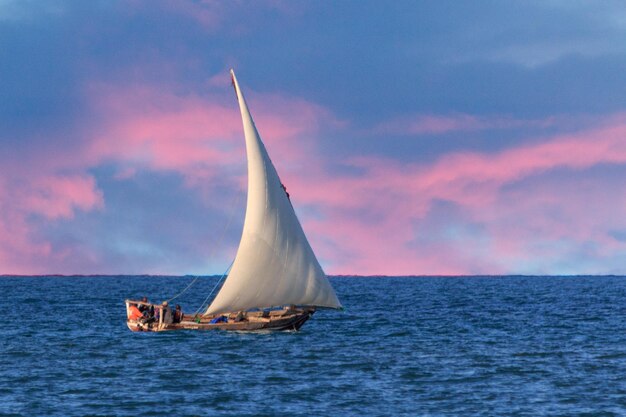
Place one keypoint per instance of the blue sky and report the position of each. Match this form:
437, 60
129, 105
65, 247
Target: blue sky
415, 137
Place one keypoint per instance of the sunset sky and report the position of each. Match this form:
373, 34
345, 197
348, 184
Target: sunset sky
432, 138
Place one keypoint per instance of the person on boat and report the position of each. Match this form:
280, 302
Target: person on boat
148, 314
178, 314
167, 313
134, 313
143, 307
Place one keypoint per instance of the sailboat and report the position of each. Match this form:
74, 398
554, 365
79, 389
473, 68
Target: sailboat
275, 282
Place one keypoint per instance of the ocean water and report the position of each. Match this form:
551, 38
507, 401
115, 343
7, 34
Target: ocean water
463, 346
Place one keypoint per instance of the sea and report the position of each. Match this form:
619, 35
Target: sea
403, 346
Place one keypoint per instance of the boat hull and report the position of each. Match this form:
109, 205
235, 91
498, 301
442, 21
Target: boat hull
281, 320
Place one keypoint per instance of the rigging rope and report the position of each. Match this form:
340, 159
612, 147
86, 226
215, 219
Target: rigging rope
232, 215
214, 288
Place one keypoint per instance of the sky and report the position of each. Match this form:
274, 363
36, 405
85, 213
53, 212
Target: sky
414, 137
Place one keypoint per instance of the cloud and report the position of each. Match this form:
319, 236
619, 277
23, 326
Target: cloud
137, 129
367, 215
197, 136
31, 197
373, 218
160, 130
110, 114
537, 33
57, 197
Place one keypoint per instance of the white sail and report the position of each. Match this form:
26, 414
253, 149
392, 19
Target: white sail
275, 264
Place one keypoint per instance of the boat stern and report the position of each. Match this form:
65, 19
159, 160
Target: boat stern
147, 323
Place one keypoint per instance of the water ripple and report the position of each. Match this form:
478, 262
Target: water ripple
515, 346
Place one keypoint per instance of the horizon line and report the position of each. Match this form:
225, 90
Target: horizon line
328, 275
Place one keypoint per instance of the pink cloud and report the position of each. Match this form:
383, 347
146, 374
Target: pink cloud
17, 249
453, 176
375, 220
544, 218
51, 197
57, 197
389, 200
140, 128
191, 134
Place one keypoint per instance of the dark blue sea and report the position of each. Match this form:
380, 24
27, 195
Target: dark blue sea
450, 346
